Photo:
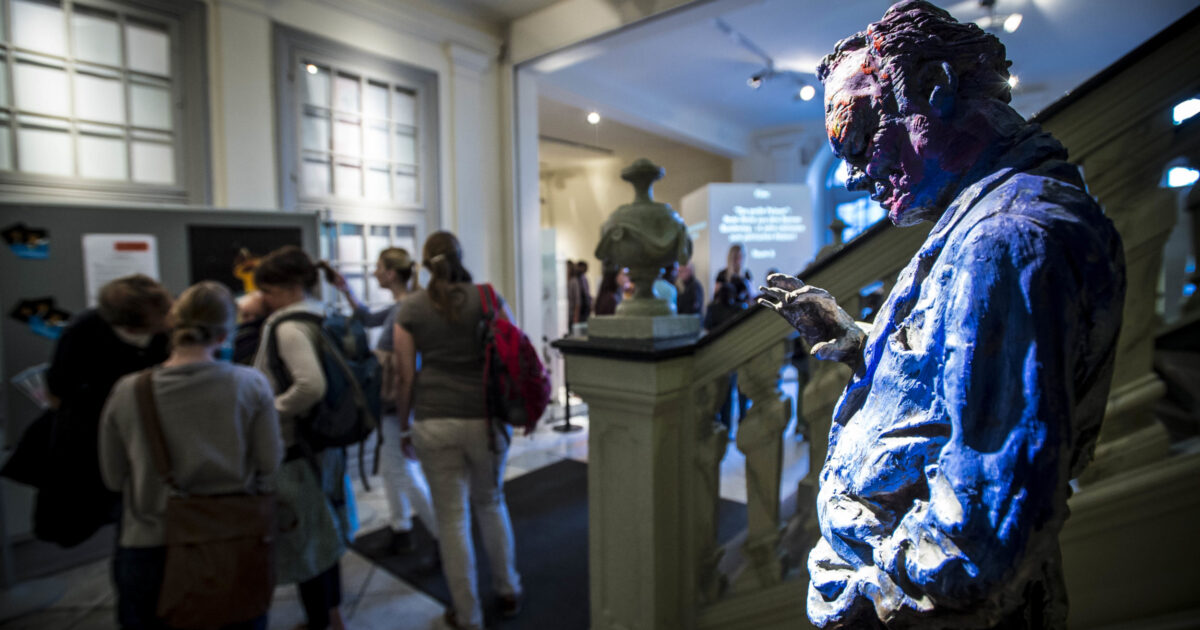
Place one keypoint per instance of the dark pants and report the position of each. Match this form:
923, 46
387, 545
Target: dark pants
728, 409
320, 595
138, 574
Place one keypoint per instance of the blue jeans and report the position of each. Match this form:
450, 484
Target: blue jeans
138, 574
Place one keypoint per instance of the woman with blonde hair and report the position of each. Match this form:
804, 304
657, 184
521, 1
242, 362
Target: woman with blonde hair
404, 483
222, 437
462, 450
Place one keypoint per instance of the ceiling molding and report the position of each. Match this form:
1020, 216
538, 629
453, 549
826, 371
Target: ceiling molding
644, 111
395, 16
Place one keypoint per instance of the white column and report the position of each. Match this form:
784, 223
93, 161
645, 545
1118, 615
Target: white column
464, 211
527, 209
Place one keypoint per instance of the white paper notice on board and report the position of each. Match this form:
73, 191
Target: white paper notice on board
107, 257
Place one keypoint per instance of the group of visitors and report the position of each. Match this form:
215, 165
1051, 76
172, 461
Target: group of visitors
232, 429
678, 285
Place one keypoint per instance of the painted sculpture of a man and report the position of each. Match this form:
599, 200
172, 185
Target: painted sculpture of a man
979, 391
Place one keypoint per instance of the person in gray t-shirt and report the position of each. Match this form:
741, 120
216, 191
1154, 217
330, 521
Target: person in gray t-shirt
458, 445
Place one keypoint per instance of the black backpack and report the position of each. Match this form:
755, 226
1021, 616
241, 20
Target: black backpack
349, 411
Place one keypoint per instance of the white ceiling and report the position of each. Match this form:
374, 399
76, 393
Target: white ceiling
682, 77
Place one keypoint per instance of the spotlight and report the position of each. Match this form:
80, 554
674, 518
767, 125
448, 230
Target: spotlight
807, 93
755, 81
311, 68
1012, 23
593, 118
1013, 81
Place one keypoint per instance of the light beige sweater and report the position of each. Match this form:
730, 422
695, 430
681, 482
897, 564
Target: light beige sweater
222, 436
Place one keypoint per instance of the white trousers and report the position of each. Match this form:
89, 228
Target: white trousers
403, 481
465, 478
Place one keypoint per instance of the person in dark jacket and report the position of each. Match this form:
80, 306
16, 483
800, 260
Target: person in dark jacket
609, 294
691, 292
125, 333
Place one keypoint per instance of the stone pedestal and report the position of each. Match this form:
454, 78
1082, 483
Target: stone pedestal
648, 328
637, 417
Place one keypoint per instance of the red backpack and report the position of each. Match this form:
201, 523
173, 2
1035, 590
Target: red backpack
516, 383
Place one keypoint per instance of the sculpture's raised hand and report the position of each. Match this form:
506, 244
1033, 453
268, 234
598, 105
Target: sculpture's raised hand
828, 329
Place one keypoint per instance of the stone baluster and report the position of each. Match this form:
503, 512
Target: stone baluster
712, 438
760, 439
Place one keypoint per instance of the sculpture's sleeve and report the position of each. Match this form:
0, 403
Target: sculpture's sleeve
992, 496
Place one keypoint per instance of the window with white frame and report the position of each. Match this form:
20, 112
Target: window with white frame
92, 97
357, 130
855, 208
357, 141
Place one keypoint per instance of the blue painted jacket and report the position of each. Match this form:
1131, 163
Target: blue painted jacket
983, 386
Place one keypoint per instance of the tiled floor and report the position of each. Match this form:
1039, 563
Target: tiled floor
372, 598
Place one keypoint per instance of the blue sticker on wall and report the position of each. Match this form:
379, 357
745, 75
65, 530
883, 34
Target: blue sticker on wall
42, 317
27, 242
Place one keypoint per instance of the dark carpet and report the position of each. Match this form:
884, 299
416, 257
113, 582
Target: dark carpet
549, 513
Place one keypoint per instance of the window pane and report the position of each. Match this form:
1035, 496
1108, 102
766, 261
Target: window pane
151, 106
377, 183
102, 158
347, 180
149, 49
45, 151
3, 81
376, 105
314, 176
96, 37
6, 148
99, 99
404, 108
376, 146
42, 90
347, 93
405, 149
315, 130
379, 239
39, 26
347, 137
406, 188
350, 243
316, 84
153, 163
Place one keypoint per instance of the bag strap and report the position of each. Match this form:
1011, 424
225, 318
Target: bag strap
487, 299
148, 410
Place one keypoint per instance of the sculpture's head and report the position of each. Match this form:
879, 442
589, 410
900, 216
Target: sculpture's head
901, 106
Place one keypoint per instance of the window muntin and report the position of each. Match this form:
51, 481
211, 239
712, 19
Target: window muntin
359, 135
93, 93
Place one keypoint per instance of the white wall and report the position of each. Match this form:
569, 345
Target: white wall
472, 182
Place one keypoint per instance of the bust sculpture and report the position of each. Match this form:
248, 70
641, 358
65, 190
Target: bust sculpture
979, 390
645, 236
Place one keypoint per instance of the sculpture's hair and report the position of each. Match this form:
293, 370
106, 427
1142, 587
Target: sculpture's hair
286, 266
137, 302
398, 259
203, 314
443, 259
912, 34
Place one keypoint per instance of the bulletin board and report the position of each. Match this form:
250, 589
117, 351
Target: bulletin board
44, 267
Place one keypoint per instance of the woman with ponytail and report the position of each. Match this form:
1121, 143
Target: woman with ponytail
220, 428
462, 451
404, 483
311, 484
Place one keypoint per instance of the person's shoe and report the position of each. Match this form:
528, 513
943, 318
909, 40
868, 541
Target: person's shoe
402, 542
508, 606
